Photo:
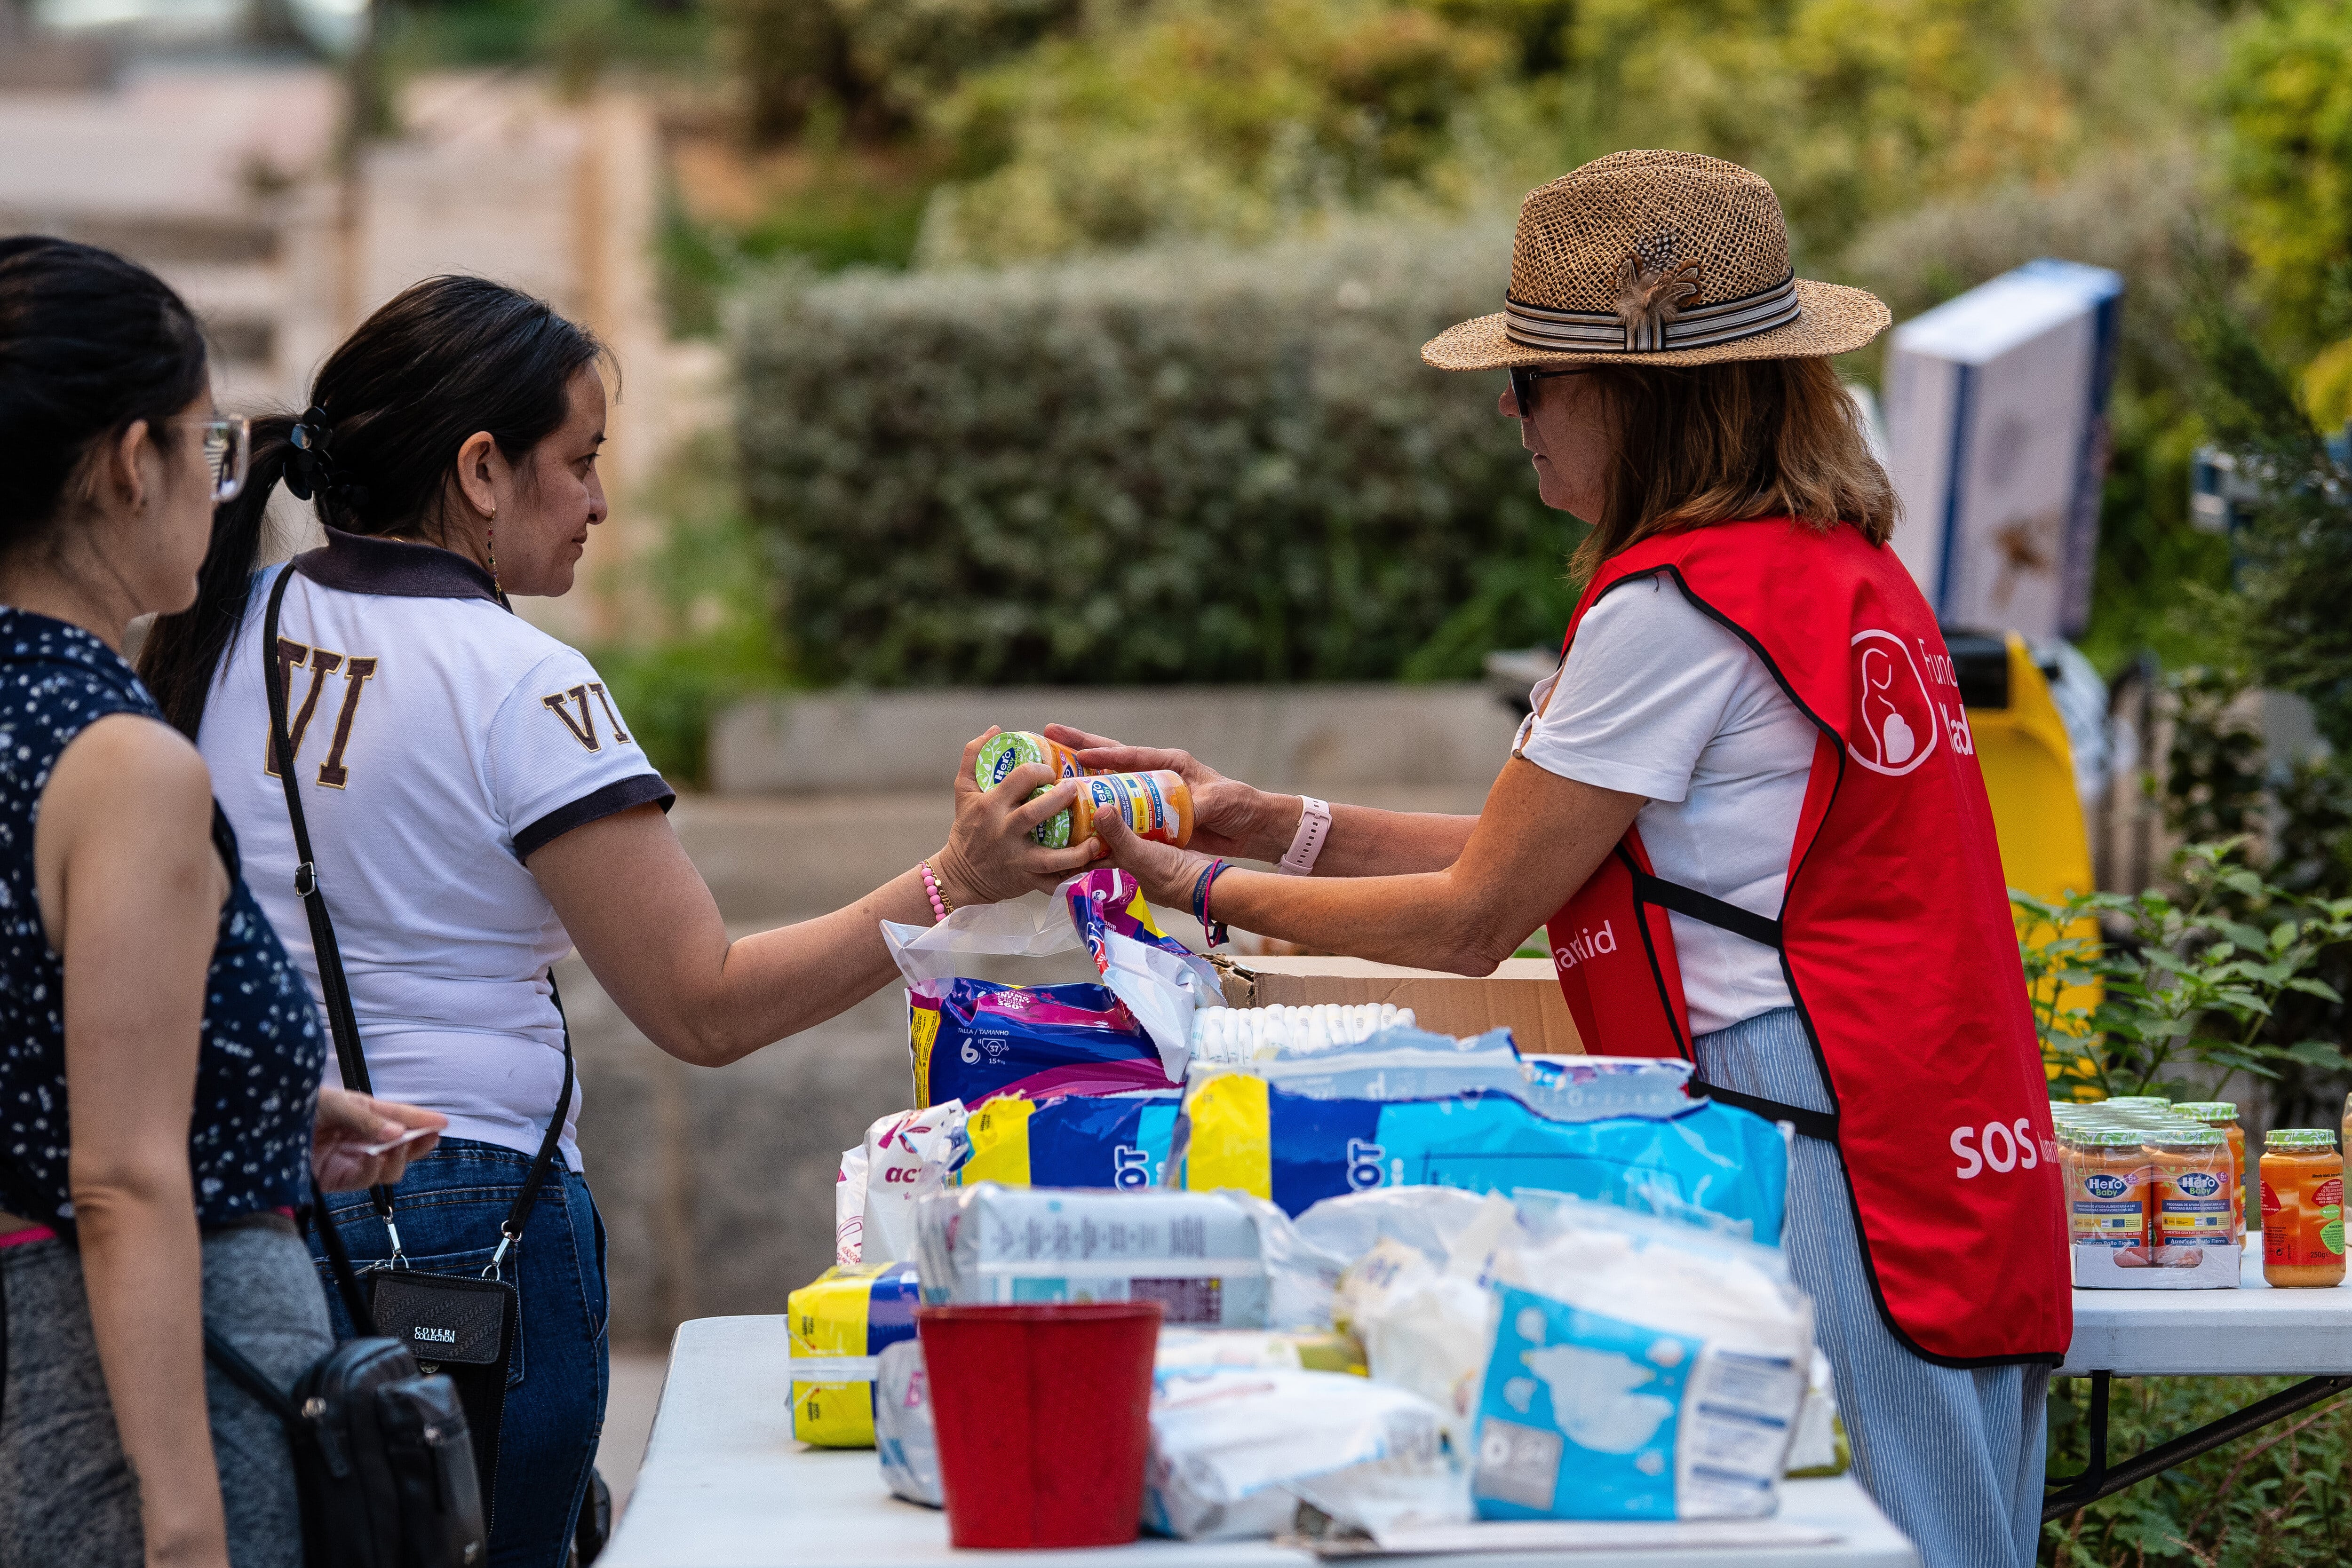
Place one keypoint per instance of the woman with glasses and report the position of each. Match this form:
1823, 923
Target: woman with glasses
160, 1107
476, 807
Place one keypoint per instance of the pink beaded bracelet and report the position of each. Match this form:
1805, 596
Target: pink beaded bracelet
939, 905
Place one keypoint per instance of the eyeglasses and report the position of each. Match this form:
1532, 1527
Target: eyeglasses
228, 452
1523, 385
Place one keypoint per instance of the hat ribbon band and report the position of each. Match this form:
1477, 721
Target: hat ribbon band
1603, 331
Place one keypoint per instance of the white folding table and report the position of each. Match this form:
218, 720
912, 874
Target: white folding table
725, 1485
2251, 1331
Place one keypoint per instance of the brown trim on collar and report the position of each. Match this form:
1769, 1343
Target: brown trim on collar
359, 563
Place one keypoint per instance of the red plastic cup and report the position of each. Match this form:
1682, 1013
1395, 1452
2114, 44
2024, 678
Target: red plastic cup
1044, 1415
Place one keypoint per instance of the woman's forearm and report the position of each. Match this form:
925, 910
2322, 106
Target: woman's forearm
142, 1264
1426, 920
1364, 840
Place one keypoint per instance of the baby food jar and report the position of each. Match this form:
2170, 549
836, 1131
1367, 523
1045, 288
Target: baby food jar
2190, 1200
2303, 1207
1013, 748
2107, 1188
2133, 1103
1157, 805
2223, 1113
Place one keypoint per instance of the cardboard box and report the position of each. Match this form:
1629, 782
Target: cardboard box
1996, 421
1523, 996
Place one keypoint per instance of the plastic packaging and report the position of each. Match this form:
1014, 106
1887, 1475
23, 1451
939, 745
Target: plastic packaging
1195, 1254
1043, 1420
1234, 1451
2223, 1113
1079, 1141
908, 1155
1167, 985
1234, 1035
2193, 1193
974, 1039
903, 1436
1297, 1151
1422, 1327
2302, 1208
1281, 1349
1639, 1370
1430, 1220
849, 1208
1402, 1063
839, 1322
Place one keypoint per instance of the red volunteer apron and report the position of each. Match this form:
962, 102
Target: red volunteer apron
1895, 934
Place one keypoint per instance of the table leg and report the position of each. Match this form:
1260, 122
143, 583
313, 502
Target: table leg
2101, 1479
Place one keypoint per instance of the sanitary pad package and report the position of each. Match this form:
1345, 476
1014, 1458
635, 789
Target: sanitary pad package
974, 1039
1639, 1369
1251, 1136
1197, 1254
837, 1325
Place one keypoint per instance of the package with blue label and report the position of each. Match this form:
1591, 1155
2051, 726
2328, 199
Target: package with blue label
1110, 1140
1197, 1254
974, 1039
837, 1325
1639, 1369
1400, 1062
1705, 1159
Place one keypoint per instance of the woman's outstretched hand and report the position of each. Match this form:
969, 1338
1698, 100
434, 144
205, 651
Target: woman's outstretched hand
1166, 873
990, 855
1229, 818
348, 1124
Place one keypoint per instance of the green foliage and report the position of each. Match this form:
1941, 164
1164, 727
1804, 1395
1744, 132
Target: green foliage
852, 213
1175, 466
2288, 96
2275, 1499
2181, 985
578, 38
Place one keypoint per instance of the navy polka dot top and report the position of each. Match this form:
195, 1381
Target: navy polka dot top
261, 1051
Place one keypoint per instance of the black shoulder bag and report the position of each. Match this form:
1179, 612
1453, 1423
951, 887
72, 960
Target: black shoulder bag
467, 1327
382, 1460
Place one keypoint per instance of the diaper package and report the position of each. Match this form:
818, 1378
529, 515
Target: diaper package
849, 1208
1164, 984
837, 1325
1107, 1141
1296, 1150
1234, 1451
1424, 1326
1197, 1254
1402, 1063
970, 1039
907, 1154
1281, 1349
1639, 1369
905, 1437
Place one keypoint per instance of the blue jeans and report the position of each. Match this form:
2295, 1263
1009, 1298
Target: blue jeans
448, 1208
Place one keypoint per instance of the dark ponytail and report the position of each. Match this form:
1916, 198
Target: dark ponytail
90, 345
391, 407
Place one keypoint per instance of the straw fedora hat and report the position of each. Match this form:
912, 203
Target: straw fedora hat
1656, 258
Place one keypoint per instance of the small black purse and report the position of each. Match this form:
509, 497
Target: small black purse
382, 1459
463, 1328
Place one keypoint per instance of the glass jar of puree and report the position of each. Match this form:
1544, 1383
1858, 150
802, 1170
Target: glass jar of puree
2189, 1200
2303, 1207
2223, 1113
2106, 1188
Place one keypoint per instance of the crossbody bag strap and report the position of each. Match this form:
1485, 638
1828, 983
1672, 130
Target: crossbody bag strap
342, 1024
239, 1370
511, 1228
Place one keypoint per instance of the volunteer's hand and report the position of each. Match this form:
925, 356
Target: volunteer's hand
1229, 818
990, 855
1166, 872
347, 1123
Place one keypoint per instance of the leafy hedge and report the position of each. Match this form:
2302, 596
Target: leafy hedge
1180, 466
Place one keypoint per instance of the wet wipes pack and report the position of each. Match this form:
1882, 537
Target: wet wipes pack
1637, 1370
1197, 1254
1296, 1150
974, 1039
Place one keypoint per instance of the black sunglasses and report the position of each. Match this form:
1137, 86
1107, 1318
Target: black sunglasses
1523, 385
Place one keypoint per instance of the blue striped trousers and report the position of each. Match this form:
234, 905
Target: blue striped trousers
1953, 1457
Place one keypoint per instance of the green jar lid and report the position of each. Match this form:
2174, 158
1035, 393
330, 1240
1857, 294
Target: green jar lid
2107, 1138
2206, 1110
2120, 1101
2300, 1138
2188, 1135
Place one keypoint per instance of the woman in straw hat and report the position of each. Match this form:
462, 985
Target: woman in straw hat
1748, 811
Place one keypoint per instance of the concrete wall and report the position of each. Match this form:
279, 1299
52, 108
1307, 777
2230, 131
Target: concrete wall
1281, 738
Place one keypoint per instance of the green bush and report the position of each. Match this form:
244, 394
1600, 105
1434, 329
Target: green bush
1183, 465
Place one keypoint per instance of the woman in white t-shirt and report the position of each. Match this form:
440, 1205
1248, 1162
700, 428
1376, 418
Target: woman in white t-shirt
1747, 810
477, 807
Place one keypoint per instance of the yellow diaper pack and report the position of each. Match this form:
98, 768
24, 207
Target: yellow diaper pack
839, 1324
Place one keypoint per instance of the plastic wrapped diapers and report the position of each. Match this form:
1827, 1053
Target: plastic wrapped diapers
1197, 1254
838, 1325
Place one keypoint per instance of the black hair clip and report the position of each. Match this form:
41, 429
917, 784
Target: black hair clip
310, 471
